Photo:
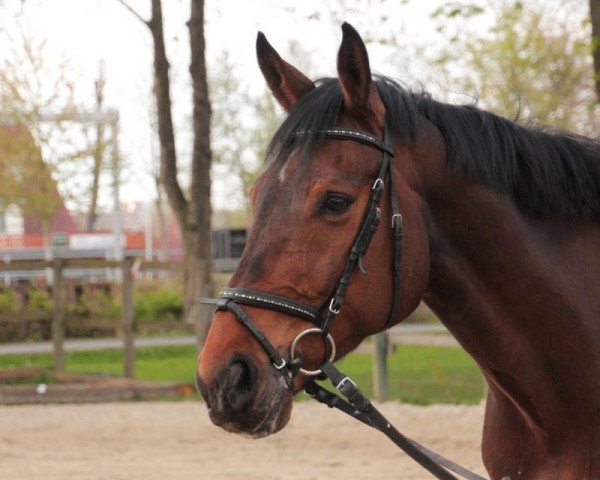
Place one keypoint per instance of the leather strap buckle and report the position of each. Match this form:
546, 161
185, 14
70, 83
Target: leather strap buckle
281, 366
340, 386
333, 310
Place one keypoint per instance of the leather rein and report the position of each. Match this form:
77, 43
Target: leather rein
354, 402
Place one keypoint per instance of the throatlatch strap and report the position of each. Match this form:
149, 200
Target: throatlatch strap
397, 240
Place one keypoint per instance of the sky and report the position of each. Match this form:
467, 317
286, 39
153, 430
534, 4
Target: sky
86, 32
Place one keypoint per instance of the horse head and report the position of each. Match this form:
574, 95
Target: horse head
308, 206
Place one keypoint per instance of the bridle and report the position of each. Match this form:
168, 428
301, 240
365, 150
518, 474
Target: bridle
323, 316
356, 404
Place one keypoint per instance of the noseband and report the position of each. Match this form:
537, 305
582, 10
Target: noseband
357, 405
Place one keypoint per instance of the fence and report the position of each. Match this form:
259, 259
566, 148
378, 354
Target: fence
383, 343
126, 268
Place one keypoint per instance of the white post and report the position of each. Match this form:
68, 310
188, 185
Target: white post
117, 217
148, 239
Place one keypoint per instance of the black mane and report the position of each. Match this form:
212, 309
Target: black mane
544, 171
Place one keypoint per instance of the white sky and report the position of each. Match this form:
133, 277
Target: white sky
87, 31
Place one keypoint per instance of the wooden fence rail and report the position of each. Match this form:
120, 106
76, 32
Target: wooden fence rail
58, 266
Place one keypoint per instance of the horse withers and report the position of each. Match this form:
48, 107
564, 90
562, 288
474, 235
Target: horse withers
501, 238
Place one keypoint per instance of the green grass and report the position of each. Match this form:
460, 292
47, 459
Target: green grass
421, 375
176, 364
417, 374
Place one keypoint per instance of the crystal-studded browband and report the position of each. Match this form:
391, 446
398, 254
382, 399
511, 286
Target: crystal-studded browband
345, 134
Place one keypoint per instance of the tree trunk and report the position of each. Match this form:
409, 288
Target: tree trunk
199, 214
166, 133
193, 213
197, 282
595, 17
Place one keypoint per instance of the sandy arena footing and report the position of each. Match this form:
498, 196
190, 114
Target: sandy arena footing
153, 441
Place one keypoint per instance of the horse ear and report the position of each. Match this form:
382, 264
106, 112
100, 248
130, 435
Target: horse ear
355, 73
286, 82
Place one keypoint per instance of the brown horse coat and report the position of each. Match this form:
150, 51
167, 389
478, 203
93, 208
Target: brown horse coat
502, 242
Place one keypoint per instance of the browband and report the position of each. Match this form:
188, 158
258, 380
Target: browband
344, 134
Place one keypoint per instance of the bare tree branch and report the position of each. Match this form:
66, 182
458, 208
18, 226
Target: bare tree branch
133, 12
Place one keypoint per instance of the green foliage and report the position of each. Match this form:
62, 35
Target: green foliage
9, 301
97, 312
456, 9
533, 62
164, 302
27, 179
97, 304
38, 300
34, 82
242, 124
152, 302
35, 304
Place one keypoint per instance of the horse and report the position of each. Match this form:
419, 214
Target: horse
501, 240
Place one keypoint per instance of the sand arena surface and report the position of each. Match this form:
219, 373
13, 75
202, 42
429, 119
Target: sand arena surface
153, 441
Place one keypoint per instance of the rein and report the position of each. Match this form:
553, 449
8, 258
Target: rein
355, 403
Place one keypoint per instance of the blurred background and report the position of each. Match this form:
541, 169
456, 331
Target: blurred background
126, 170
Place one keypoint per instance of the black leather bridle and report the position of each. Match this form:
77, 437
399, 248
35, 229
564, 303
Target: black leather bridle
356, 404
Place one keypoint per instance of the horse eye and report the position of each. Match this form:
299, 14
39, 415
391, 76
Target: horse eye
336, 203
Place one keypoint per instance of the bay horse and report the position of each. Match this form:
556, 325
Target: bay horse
501, 241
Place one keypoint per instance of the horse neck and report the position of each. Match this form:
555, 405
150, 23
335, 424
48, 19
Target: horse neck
519, 293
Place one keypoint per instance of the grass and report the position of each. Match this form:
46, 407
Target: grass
417, 374
421, 375
176, 364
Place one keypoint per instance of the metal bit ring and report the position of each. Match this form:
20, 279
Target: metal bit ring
312, 373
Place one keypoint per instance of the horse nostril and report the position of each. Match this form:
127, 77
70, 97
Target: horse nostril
240, 383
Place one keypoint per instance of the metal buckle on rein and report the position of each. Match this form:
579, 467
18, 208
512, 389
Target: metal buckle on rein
312, 373
282, 366
396, 217
345, 380
335, 311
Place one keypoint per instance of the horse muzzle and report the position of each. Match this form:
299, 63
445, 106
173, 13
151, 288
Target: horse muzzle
242, 400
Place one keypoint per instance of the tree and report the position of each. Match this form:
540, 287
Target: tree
531, 63
239, 147
193, 211
27, 180
30, 87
